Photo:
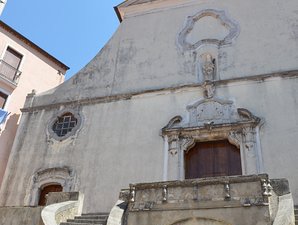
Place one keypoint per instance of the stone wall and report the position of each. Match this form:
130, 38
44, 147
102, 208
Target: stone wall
20, 215
242, 200
141, 80
133, 141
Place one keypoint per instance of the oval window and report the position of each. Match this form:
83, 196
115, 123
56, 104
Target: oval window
64, 124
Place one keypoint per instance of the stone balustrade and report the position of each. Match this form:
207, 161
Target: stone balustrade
241, 200
232, 191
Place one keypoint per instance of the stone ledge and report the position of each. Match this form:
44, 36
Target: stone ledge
202, 181
128, 96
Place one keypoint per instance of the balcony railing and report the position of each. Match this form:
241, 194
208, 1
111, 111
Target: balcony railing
9, 72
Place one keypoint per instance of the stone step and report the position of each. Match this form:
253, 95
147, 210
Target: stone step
92, 217
97, 214
81, 223
88, 219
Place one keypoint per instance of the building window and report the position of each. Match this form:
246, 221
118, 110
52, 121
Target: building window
3, 99
64, 124
10, 64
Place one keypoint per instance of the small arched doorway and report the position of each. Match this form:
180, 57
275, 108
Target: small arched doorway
212, 159
44, 191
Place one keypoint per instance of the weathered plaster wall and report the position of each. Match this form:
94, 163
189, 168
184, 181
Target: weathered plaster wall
20, 215
143, 54
119, 142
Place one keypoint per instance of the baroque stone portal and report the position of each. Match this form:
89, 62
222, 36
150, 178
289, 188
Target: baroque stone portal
210, 120
60, 175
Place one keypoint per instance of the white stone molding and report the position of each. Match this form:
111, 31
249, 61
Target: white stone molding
285, 211
59, 175
57, 213
166, 158
220, 15
52, 136
211, 120
117, 213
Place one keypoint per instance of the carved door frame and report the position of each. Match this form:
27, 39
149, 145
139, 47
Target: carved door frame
58, 175
239, 126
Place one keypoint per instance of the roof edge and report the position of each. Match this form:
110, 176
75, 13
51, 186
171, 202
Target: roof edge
125, 3
118, 13
33, 45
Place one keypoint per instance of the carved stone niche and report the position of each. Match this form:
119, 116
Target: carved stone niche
59, 175
212, 120
218, 23
203, 34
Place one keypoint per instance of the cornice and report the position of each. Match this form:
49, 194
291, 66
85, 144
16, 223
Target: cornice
129, 96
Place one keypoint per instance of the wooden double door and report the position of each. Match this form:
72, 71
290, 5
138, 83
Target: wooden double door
212, 159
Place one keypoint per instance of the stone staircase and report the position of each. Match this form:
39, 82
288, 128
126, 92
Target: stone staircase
88, 219
296, 214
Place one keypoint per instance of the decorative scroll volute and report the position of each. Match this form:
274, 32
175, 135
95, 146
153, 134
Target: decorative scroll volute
186, 143
235, 138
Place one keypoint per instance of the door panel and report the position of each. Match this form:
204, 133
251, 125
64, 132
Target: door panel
210, 159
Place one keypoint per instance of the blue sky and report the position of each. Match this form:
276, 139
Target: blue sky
72, 31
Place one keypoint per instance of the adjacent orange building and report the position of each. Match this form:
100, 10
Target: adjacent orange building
23, 67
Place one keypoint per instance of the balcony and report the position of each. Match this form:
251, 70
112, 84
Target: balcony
242, 200
9, 73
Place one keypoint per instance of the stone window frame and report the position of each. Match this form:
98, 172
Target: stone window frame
75, 113
68, 120
63, 176
181, 134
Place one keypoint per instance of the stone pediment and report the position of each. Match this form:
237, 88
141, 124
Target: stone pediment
212, 112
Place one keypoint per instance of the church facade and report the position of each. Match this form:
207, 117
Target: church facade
184, 89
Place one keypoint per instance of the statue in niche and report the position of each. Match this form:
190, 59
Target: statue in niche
208, 72
209, 89
208, 67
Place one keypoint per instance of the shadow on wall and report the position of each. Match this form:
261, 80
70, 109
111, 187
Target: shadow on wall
9, 131
6, 141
